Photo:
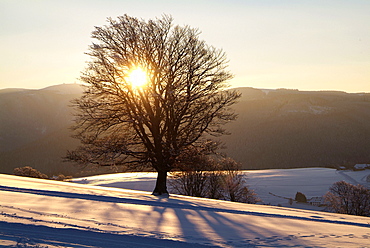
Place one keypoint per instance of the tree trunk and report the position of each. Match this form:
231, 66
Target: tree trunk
161, 184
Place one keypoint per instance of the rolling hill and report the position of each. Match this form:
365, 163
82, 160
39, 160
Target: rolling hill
47, 213
275, 129
34, 128
289, 128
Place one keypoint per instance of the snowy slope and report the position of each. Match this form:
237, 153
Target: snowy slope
61, 214
272, 186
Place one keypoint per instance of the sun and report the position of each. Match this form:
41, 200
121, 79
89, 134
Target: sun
137, 78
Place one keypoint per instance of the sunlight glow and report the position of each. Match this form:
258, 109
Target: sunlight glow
137, 78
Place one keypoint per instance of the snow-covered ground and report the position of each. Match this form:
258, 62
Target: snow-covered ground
274, 187
45, 213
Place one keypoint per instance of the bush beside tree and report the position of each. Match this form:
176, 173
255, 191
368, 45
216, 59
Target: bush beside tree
200, 174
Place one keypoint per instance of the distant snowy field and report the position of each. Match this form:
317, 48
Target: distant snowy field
272, 186
45, 213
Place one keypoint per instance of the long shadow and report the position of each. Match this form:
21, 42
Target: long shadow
80, 238
217, 228
213, 228
174, 203
225, 226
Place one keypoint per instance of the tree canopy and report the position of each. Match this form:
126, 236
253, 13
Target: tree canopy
152, 90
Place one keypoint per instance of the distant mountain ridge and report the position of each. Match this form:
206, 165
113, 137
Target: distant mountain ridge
275, 129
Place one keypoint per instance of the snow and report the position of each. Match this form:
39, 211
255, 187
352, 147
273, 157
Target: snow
274, 187
47, 213
267, 91
362, 166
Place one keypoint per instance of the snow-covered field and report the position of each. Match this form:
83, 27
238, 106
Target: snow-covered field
45, 213
274, 187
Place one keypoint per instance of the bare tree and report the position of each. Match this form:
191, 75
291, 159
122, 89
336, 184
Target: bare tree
234, 183
346, 198
183, 96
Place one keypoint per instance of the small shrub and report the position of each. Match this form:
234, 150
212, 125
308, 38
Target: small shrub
300, 197
28, 171
61, 177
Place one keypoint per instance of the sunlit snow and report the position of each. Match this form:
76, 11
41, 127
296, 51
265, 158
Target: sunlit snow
46, 213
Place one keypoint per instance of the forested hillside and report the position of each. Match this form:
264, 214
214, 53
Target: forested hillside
289, 128
34, 128
275, 129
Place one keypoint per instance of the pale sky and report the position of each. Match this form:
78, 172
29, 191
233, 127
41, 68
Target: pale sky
296, 44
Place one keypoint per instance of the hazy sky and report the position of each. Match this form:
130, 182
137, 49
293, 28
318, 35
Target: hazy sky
298, 44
